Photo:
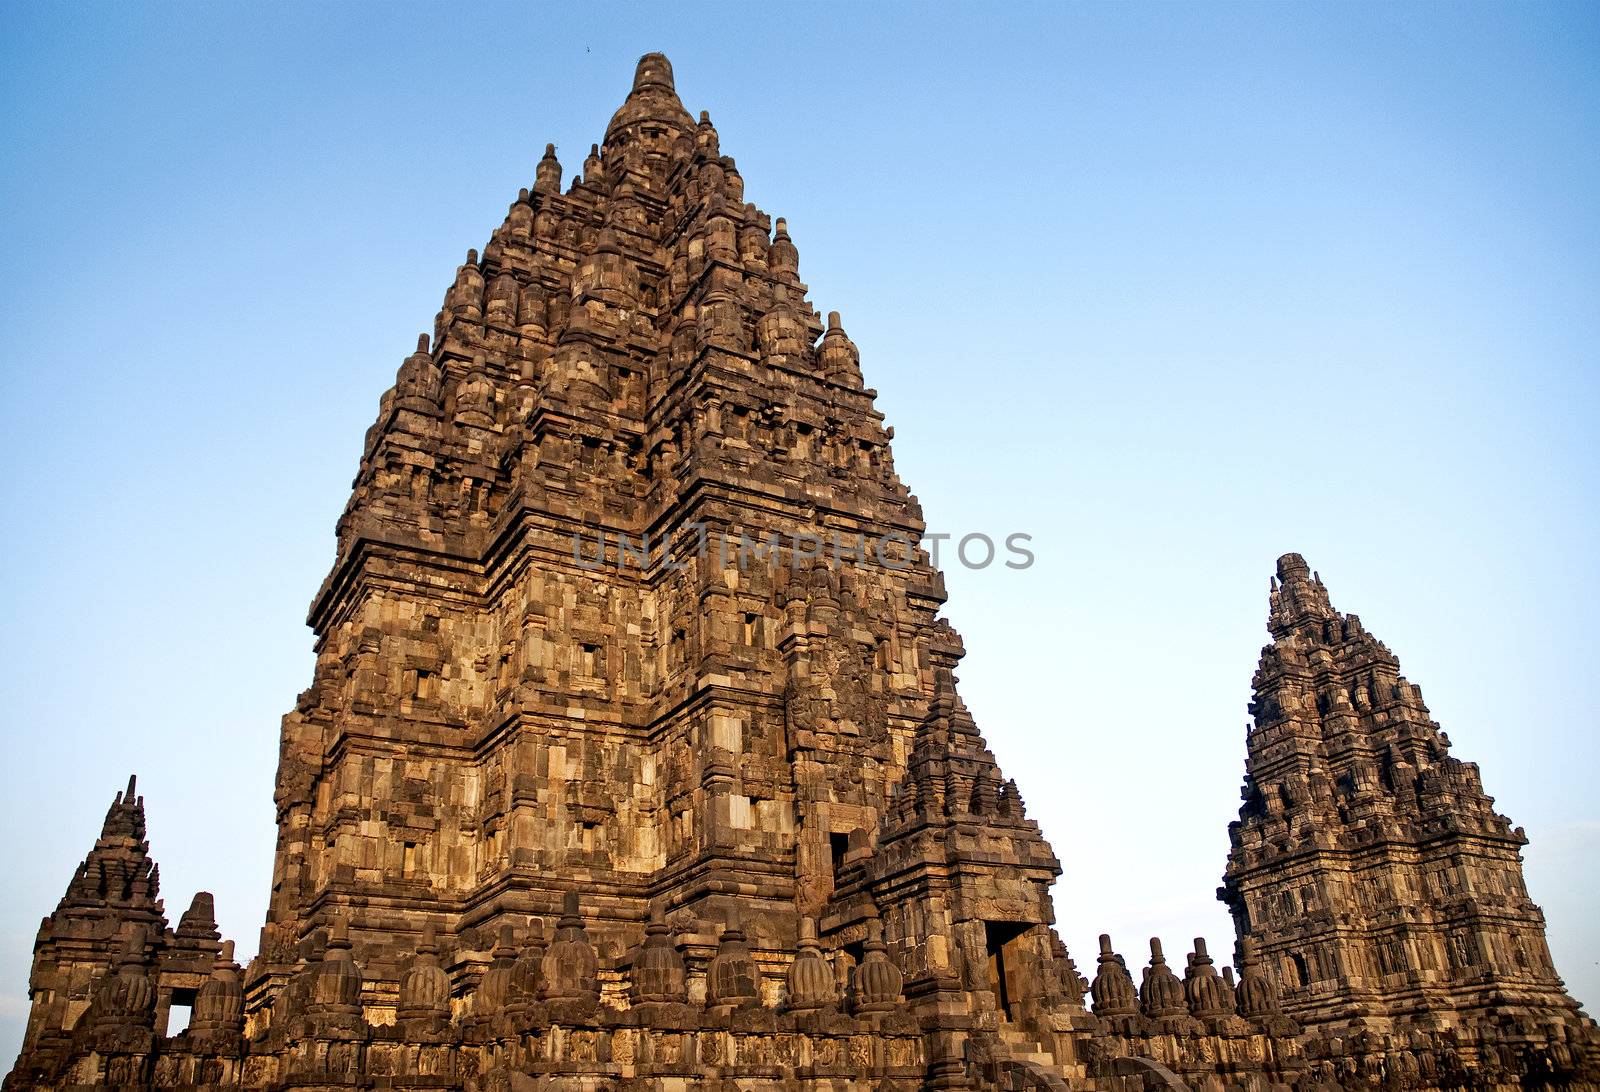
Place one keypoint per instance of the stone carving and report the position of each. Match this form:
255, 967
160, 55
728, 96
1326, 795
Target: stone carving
733, 980
811, 981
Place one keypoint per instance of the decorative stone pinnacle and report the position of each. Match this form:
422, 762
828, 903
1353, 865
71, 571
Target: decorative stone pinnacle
654, 70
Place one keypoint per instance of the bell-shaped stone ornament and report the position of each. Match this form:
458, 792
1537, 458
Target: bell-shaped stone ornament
733, 980
811, 980
876, 983
571, 965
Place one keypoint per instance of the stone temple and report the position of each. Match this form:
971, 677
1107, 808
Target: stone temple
633, 758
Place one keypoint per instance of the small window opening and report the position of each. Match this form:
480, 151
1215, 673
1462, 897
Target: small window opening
179, 1010
838, 844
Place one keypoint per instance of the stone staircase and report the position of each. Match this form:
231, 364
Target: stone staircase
1025, 1048
1020, 1063
1023, 1064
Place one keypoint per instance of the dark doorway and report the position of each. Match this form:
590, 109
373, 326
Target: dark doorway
1000, 940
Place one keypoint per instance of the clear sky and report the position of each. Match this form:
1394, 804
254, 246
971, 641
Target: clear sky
1173, 288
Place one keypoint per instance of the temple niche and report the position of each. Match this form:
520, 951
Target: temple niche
616, 772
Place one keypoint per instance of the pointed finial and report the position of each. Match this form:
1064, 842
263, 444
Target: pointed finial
1105, 945
833, 321
569, 910
429, 944
944, 692
1291, 565
705, 117
1155, 951
547, 175
654, 71
472, 256
507, 946
782, 228
133, 780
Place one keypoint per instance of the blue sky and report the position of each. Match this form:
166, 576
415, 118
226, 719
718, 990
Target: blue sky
1172, 288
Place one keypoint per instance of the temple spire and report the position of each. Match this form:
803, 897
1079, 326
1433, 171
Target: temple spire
125, 816
653, 70
1298, 599
1348, 780
652, 117
117, 870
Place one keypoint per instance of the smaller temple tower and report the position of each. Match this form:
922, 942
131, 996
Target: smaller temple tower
105, 963
1369, 872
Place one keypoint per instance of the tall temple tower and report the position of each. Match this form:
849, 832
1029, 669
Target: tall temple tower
629, 602
1368, 866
